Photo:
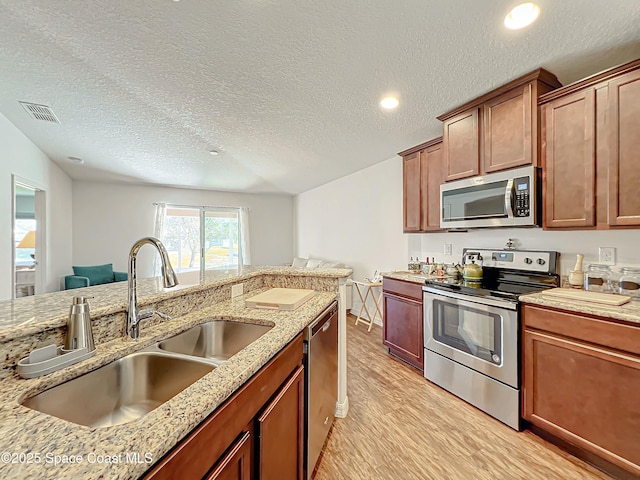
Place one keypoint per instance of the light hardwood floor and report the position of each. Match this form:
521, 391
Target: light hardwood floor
401, 426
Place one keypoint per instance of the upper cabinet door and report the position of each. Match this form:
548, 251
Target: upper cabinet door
461, 145
432, 173
411, 192
569, 160
624, 149
507, 130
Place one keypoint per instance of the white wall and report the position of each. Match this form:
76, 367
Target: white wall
356, 220
109, 218
19, 156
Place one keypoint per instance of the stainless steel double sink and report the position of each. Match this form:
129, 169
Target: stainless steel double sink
128, 388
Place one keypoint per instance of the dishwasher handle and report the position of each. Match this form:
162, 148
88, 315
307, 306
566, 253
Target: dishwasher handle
323, 322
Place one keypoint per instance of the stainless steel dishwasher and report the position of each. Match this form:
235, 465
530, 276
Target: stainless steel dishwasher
321, 382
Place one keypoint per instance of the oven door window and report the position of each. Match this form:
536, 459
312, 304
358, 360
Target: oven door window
475, 332
480, 201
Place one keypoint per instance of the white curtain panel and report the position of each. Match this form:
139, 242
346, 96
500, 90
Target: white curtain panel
245, 249
158, 232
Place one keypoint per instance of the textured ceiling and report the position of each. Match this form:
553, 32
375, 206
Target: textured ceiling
287, 90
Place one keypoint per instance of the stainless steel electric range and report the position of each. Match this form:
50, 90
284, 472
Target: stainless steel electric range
471, 328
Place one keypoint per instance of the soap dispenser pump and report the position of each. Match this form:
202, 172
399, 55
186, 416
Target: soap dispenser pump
79, 332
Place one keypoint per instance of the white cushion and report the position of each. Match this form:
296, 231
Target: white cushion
299, 262
314, 263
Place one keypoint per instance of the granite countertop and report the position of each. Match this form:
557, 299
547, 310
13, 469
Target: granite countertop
102, 450
407, 276
30, 315
629, 312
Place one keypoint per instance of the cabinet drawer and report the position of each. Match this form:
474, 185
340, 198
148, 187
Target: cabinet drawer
400, 287
588, 329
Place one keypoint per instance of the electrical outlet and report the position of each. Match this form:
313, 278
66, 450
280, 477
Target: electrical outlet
237, 290
447, 249
607, 255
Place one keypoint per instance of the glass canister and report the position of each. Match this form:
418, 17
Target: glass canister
598, 278
629, 283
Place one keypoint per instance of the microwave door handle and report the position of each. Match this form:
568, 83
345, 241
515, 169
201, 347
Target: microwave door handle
508, 198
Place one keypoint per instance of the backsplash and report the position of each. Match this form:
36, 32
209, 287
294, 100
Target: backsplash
568, 243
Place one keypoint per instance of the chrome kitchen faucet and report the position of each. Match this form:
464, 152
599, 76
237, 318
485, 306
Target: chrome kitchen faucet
134, 317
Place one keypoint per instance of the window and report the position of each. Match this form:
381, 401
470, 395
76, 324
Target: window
203, 238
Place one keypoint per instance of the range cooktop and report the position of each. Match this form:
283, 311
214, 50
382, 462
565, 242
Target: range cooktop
507, 274
489, 287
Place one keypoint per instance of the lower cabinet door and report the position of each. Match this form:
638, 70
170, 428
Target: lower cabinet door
403, 329
280, 429
236, 463
584, 394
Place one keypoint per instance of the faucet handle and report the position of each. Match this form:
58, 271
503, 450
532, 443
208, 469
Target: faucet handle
149, 312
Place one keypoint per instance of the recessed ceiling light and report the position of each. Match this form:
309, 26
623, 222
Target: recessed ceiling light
521, 16
389, 103
214, 152
77, 160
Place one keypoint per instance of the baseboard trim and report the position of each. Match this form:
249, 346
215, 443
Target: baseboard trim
591, 458
342, 408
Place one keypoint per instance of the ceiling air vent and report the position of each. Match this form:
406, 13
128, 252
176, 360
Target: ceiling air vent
40, 112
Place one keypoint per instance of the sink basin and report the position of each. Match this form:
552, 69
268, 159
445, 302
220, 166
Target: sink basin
121, 391
216, 340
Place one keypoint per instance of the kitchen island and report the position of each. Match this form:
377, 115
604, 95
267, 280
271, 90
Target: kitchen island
47, 447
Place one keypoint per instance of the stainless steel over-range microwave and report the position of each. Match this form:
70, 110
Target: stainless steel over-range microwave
503, 199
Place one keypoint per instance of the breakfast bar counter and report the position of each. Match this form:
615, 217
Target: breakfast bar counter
36, 445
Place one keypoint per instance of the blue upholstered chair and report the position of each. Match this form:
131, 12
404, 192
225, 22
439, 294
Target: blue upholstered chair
93, 275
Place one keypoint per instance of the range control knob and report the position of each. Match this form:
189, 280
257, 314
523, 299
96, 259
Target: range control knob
528, 261
541, 261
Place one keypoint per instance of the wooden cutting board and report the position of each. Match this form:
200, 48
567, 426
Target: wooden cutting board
280, 298
584, 296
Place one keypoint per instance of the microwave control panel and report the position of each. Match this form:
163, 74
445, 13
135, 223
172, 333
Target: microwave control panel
522, 206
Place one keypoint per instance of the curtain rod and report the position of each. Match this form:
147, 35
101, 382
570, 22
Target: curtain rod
155, 204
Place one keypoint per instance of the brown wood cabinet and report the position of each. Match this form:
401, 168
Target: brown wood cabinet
581, 378
508, 130
497, 131
423, 173
570, 160
461, 137
590, 151
236, 463
624, 149
411, 192
256, 433
282, 424
403, 331
431, 177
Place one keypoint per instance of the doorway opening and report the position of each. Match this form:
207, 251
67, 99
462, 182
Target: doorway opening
28, 238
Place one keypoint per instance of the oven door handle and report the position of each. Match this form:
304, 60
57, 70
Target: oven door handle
427, 305
493, 302
508, 198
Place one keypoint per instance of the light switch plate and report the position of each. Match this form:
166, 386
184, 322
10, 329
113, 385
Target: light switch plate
237, 290
607, 255
447, 249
